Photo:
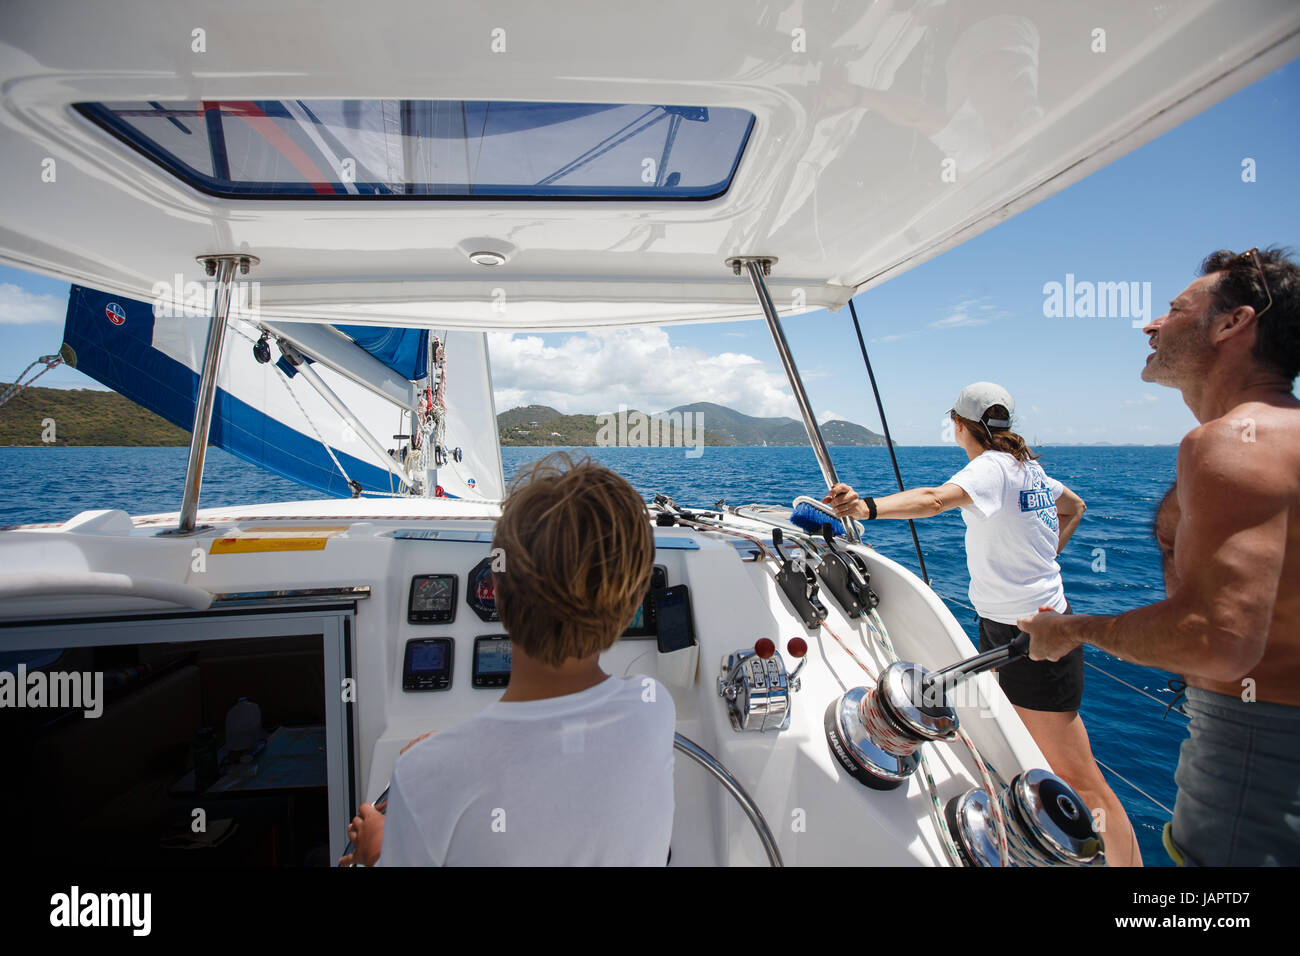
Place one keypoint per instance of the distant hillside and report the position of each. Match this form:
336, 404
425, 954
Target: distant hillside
743, 429
531, 425
542, 425
83, 416
526, 416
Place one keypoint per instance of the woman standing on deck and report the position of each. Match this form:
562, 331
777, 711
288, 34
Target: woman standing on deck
1017, 521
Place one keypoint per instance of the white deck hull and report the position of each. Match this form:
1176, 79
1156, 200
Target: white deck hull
818, 814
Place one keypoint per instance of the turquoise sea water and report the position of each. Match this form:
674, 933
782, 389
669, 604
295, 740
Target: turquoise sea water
1111, 565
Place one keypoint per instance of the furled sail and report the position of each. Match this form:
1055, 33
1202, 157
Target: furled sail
276, 419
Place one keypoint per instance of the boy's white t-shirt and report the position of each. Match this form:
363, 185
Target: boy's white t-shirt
580, 780
1011, 536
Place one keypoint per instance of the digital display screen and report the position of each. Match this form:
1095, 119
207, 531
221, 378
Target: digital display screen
492, 656
433, 594
433, 599
638, 619
427, 664
426, 658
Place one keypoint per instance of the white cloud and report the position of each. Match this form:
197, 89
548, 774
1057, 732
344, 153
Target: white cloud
20, 307
829, 415
597, 371
969, 312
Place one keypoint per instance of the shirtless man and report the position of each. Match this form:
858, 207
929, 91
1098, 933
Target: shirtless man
1230, 533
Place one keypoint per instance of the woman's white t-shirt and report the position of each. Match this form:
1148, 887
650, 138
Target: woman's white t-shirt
1012, 532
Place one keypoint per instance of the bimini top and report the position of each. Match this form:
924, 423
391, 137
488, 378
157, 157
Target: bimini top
566, 164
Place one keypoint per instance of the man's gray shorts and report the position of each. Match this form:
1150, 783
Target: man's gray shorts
1238, 783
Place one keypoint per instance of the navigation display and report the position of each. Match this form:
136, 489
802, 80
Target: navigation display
426, 658
427, 664
433, 599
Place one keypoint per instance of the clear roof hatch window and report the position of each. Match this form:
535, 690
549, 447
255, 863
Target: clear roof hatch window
435, 149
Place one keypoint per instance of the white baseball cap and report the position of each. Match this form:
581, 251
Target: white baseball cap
975, 400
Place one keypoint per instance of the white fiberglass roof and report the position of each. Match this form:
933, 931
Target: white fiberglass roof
848, 140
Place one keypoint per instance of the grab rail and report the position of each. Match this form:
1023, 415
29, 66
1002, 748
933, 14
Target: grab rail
732, 786
47, 584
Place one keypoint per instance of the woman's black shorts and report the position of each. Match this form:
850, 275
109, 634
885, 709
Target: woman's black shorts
1055, 686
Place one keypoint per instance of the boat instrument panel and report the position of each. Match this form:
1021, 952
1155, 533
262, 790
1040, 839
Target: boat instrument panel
432, 600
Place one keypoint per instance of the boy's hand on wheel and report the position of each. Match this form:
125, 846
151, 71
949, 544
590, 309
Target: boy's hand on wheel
366, 831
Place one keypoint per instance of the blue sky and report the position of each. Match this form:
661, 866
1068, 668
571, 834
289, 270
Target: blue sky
974, 313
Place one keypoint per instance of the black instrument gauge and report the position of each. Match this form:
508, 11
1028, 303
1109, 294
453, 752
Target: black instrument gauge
491, 661
427, 664
481, 592
433, 599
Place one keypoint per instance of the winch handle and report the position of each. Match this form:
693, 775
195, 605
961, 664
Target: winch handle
952, 675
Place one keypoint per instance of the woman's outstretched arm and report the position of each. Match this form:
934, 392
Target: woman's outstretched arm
914, 503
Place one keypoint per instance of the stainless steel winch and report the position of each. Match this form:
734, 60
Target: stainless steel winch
1048, 824
875, 734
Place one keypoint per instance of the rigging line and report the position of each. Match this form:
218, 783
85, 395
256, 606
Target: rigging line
51, 361
595, 152
673, 125
1176, 710
337, 464
1135, 786
289, 388
482, 135
889, 442
580, 158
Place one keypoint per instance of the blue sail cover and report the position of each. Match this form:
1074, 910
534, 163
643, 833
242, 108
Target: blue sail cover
405, 351
113, 339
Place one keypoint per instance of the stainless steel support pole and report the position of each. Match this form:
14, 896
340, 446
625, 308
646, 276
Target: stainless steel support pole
755, 267
223, 267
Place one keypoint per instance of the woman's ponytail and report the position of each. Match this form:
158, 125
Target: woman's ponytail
998, 439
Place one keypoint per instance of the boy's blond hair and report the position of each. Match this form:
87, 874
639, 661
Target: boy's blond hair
577, 549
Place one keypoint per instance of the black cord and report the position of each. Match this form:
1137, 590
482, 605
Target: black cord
889, 442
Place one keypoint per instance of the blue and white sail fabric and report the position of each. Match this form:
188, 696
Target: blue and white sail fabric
154, 355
